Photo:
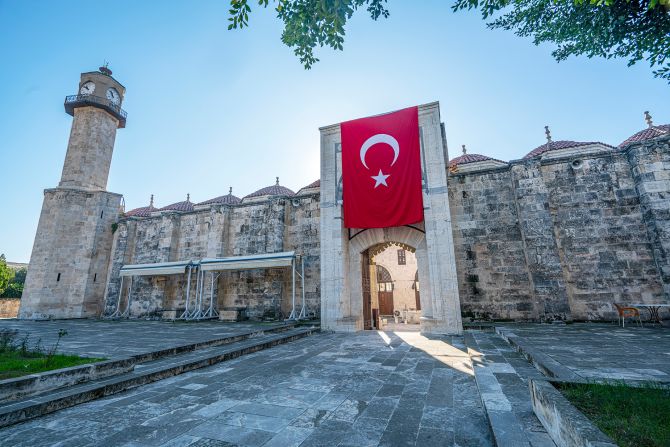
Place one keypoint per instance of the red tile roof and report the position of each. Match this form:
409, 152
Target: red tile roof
470, 158
274, 190
228, 199
647, 134
561, 144
184, 206
316, 184
144, 211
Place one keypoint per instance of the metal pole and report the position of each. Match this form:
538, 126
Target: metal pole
117, 312
292, 315
130, 292
303, 313
184, 314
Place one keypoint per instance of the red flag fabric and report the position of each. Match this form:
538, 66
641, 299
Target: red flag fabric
381, 170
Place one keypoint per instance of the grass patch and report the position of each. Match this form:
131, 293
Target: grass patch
19, 358
13, 364
635, 417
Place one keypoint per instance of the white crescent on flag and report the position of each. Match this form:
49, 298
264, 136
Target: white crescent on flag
380, 138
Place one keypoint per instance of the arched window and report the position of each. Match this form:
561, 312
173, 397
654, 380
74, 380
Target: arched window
384, 280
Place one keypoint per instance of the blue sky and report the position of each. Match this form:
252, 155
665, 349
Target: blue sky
210, 108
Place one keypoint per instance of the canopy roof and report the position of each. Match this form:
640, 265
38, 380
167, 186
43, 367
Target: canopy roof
156, 269
269, 260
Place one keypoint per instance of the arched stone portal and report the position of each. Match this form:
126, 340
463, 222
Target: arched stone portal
342, 248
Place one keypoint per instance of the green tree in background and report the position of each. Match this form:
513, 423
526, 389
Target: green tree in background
6, 274
15, 287
629, 29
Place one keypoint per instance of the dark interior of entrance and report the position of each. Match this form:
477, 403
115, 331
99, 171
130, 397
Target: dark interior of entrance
391, 297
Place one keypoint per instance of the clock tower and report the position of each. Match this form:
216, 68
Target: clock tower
68, 266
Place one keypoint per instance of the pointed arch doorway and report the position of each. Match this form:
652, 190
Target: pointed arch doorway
343, 250
389, 273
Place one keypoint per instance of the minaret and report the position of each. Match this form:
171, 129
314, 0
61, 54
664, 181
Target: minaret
68, 266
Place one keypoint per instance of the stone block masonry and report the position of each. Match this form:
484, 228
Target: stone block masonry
564, 238
536, 240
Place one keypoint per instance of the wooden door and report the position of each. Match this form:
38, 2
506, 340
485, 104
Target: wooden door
367, 296
386, 303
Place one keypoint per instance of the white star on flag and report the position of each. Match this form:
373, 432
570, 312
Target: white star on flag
380, 179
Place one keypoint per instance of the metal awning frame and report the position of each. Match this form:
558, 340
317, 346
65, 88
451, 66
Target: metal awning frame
194, 309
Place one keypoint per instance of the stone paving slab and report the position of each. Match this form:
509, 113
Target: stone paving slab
507, 374
325, 390
588, 351
125, 338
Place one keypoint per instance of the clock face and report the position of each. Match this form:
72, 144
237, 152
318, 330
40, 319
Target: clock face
87, 88
113, 96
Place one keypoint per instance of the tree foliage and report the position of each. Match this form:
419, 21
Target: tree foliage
629, 29
6, 274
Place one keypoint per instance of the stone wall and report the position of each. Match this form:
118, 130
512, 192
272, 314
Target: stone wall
9, 307
267, 226
68, 264
563, 238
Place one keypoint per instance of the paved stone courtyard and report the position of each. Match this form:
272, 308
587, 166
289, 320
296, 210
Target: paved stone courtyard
332, 389
601, 351
122, 338
365, 389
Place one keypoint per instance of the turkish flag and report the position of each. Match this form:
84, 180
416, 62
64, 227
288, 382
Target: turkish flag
381, 170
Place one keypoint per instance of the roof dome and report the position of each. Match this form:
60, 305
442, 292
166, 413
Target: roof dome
274, 190
228, 199
316, 184
551, 145
184, 206
470, 158
144, 211
647, 134
555, 145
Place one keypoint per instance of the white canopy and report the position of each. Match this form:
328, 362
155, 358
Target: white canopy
156, 269
269, 260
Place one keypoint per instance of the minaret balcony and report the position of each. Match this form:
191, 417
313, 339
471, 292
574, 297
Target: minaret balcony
74, 101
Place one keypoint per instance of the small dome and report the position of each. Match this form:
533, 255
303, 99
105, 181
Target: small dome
144, 211
470, 158
561, 144
184, 206
274, 190
647, 134
228, 199
316, 184
312, 187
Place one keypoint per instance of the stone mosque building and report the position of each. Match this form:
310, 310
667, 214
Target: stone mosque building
562, 233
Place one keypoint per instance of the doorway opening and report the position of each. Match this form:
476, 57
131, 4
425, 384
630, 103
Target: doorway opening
391, 299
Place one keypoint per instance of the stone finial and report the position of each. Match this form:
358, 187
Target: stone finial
230, 191
188, 197
547, 132
277, 181
647, 118
464, 150
151, 201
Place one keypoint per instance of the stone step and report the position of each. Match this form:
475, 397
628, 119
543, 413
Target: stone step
30, 385
505, 426
144, 373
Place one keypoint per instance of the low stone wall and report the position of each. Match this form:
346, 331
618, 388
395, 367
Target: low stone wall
11, 389
9, 307
564, 423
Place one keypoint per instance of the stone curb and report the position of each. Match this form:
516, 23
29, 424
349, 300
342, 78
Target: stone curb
566, 425
48, 403
545, 364
506, 429
16, 388
24, 386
